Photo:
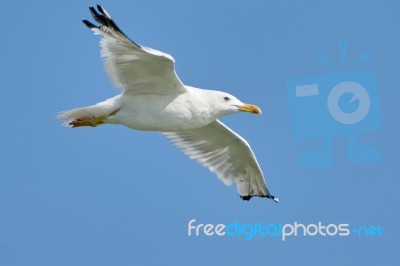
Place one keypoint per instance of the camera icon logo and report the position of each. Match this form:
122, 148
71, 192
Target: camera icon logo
335, 105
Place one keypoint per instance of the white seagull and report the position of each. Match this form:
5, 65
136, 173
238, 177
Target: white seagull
154, 99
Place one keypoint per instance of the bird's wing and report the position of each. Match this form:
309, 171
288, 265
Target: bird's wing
134, 68
225, 153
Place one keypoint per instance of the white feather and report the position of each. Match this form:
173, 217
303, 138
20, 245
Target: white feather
225, 153
137, 69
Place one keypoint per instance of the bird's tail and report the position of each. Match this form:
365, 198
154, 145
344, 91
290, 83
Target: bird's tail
69, 116
91, 115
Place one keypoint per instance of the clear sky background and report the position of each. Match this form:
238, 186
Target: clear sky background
113, 196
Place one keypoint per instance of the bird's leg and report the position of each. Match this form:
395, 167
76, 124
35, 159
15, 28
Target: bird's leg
91, 121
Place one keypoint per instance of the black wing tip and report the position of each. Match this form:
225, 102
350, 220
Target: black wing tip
89, 24
103, 17
248, 197
93, 11
100, 17
274, 198
102, 11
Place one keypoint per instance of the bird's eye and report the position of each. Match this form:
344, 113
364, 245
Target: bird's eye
226, 99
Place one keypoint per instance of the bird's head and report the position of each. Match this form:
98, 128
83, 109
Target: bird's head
226, 103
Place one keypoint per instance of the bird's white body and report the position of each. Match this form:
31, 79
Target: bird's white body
154, 99
165, 113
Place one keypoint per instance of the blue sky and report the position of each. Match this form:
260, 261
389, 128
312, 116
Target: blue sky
113, 196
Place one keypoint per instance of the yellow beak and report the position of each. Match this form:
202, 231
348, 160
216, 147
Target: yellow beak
250, 108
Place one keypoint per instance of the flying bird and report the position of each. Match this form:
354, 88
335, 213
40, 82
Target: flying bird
154, 99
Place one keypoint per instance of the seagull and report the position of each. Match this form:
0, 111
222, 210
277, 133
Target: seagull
153, 98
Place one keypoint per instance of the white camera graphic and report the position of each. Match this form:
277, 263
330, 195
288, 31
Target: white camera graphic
335, 105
